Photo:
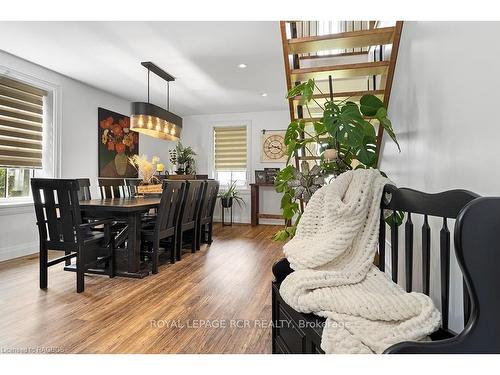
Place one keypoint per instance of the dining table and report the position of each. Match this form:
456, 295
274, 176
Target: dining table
129, 210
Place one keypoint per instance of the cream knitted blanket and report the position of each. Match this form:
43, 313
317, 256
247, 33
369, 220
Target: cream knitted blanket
332, 254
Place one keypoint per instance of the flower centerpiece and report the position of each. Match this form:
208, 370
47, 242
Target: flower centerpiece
145, 168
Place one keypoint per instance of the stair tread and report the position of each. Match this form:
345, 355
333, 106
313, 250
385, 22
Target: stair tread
314, 119
331, 55
340, 71
350, 39
344, 94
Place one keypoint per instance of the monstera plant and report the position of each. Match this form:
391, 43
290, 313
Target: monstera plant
344, 138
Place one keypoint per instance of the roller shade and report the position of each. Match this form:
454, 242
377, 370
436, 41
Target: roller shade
21, 124
230, 144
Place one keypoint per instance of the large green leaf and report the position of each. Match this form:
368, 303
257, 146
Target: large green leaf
281, 236
292, 132
351, 110
386, 123
319, 127
351, 134
370, 104
367, 152
282, 178
307, 92
296, 90
290, 210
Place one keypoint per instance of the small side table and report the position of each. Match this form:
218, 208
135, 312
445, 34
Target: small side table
254, 197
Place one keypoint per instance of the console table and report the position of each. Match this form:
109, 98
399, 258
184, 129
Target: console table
255, 214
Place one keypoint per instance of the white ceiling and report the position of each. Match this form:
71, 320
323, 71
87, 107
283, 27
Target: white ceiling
203, 56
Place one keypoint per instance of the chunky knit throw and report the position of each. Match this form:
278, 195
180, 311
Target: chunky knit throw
332, 255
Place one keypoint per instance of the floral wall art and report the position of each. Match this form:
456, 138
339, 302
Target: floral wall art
116, 144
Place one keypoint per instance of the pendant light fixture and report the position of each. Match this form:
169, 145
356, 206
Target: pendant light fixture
152, 120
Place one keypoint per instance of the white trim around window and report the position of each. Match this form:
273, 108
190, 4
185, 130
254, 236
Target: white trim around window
51, 134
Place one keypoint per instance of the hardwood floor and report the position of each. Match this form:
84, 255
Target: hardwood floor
175, 311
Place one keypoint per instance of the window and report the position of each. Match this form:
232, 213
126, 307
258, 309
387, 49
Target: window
230, 155
21, 131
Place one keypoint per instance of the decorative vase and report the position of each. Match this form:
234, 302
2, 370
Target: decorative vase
121, 162
179, 171
226, 202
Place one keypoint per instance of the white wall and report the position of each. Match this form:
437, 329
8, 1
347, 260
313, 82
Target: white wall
444, 108
198, 132
78, 136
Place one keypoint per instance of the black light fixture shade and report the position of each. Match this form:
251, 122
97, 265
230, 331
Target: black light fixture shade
152, 120
155, 121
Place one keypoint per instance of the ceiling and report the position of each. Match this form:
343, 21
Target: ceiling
203, 56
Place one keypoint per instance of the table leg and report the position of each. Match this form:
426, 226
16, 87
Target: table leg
254, 198
134, 243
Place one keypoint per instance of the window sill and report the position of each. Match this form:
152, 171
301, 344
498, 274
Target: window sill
15, 206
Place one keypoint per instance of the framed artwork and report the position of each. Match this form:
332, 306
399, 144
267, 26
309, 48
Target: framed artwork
116, 144
260, 177
273, 148
271, 174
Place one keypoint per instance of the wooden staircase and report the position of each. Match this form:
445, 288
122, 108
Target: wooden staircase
357, 61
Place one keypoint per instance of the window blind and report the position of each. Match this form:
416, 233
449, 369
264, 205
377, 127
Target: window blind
21, 124
230, 148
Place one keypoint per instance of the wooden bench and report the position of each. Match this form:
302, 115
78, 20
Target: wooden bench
477, 250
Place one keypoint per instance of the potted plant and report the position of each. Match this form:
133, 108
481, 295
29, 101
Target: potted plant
343, 139
183, 158
231, 194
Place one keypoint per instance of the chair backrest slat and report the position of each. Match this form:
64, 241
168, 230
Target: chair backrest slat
112, 188
132, 186
409, 253
66, 214
394, 248
192, 197
208, 207
445, 271
84, 189
446, 205
381, 244
426, 255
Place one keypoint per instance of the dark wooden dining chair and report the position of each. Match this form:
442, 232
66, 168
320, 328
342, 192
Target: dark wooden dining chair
189, 214
60, 228
164, 226
206, 216
132, 186
112, 188
84, 189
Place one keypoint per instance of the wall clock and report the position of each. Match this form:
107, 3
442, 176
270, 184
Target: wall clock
273, 147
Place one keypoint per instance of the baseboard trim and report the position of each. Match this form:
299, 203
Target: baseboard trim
16, 251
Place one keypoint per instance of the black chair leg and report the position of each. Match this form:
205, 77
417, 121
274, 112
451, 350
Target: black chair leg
155, 256
179, 246
80, 272
67, 262
43, 267
198, 236
112, 261
210, 228
173, 249
193, 241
